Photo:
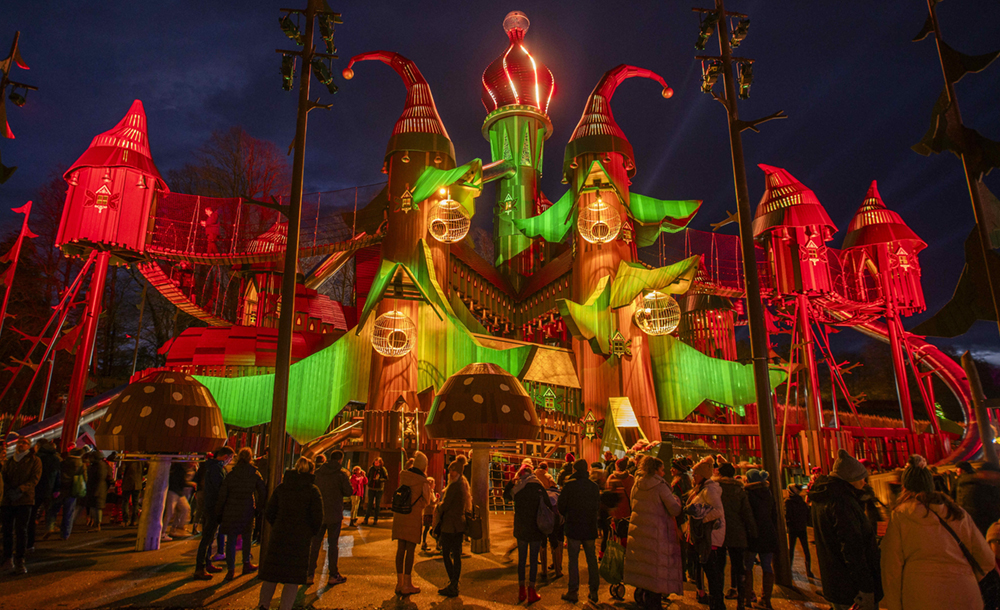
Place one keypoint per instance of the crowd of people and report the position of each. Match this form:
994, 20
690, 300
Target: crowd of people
937, 546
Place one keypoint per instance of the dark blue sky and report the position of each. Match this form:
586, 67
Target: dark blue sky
857, 92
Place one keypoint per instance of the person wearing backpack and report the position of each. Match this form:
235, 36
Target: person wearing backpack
529, 518
580, 503
72, 488
408, 502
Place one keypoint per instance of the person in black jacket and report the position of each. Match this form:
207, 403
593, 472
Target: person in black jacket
377, 476
295, 512
740, 526
47, 452
212, 476
765, 543
797, 523
846, 544
580, 503
334, 484
527, 493
240, 498
71, 470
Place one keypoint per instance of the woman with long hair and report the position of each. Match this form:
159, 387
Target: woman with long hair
406, 527
295, 512
450, 519
653, 553
933, 555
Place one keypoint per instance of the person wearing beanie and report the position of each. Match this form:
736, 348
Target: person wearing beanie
923, 565
707, 532
449, 518
846, 542
21, 473
797, 524
765, 544
580, 503
406, 527
527, 493
740, 527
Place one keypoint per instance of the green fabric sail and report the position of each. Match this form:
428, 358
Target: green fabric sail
592, 320
468, 177
633, 279
553, 224
683, 378
654, 216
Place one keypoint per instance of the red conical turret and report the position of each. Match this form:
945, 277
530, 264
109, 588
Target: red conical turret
516, 78
597, 131
419, 127
112, 188
789, 203
876, 224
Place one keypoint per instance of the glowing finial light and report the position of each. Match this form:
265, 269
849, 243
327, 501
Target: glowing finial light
393, 334
657, 314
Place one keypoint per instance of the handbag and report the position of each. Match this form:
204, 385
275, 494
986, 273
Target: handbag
545, 518
474, 523
79, 487
977, 570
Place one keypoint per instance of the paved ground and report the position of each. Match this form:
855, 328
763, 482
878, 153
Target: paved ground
101, 570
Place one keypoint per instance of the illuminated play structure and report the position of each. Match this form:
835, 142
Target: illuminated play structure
600, 305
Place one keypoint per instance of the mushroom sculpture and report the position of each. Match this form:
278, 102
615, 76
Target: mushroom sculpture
162, 415
482, 404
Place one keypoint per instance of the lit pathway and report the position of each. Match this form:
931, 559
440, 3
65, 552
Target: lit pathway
102, 571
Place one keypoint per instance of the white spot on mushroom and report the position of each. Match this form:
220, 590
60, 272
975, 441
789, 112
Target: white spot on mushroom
505, 387
177, 395
478, 398
116, 430
145, 411
215, 430
193, 421
169, 423
188, 378
126, 399
108, 418
149, 389
468, 380
505, 409
527, 416
169, 380
457, 416
441, 405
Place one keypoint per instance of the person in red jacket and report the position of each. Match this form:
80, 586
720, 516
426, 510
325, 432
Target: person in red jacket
358, 483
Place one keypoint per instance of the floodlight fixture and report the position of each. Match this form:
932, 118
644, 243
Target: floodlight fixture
323, 74
287, 71
739, 32
291, 30
707, 28
745, 77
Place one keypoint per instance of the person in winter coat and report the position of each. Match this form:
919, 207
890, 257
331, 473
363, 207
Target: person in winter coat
580, 502
334, 484
178, 509
450, 518
428, 515
295, 512
98, 481
71, 470
923, 565
377, 476
211, 477
358, 483
241, 497
47, 486
979, 495
527, 492
680, 485
131, 488
406, 527
20, 474
740, 527
846, 544
653, 553
707, 531
765, 544
620, 482
797, 523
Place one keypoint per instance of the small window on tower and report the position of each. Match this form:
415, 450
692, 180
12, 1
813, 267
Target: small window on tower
102, 201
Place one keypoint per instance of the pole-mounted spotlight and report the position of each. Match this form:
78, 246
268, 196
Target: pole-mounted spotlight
18, 98
710, 70
287, 71
707, 28
739, 32
326, 30
291, 30
745, 77
323, 74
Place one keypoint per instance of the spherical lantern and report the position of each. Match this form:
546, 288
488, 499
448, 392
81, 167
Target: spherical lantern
164, 412
393, 334
599, 223
658, 314
447, 221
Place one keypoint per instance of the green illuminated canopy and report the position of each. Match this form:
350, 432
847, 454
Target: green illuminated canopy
553, 224
467, 178
654, 216
401, 283
592, 320
633, 279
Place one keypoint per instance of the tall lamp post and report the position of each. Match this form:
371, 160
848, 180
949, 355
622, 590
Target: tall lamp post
311, 61
717, 21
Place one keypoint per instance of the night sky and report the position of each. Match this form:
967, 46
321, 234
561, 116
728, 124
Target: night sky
857, 92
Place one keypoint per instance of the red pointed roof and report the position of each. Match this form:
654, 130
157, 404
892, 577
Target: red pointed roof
126, 145
597, 131
515, 77
789, 203
875, 224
